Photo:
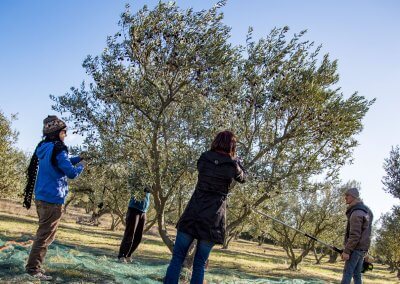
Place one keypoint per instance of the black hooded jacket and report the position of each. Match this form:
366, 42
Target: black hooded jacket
204, 216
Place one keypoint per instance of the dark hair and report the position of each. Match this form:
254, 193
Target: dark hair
53, 136
225, 141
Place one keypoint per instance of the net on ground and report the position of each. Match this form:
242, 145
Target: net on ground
78, 264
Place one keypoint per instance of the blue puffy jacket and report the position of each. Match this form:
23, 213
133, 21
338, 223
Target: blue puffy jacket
142, 205
51, 182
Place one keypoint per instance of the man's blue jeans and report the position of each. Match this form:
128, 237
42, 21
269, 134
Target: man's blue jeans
353, 267
181, 247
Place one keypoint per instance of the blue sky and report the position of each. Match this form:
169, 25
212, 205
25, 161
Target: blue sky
43, 44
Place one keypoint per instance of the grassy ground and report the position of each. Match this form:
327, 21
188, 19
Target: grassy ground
83, 254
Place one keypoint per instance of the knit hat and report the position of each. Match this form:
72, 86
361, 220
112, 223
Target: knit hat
52, 124
353, 192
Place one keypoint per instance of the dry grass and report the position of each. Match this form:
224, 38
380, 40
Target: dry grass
247, 257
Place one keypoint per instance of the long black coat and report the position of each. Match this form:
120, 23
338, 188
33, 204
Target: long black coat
204, 216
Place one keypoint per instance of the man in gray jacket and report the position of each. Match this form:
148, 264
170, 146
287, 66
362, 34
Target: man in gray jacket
358, 236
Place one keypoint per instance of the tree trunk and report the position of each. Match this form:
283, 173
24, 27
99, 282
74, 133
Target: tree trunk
319, 258
293, 264
391, 266
68, 203
159, 199
149, 224
295, 261
227, 240
333, 257
190, 255
233, 234
261, 239
232, 226
121, 217
180, 203
112, 222
239, 221
162, 229
96, 214
115, 222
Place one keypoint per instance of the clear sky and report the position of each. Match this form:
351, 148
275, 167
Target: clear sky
43, 44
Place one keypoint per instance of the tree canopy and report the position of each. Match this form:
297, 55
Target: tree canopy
169, 80
391, 180
12, 160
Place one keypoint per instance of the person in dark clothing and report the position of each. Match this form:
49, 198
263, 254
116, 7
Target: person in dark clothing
358, 236
47, 175
204, 216
135, 221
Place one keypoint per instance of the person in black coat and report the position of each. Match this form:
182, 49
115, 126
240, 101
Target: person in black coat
204, 216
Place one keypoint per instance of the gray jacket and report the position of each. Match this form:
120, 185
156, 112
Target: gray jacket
358, 231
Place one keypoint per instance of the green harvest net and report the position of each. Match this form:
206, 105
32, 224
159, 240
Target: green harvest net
77, 264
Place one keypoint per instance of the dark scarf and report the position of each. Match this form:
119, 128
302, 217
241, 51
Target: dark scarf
32, 170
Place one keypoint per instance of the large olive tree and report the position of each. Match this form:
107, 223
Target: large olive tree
168, 80
151, 92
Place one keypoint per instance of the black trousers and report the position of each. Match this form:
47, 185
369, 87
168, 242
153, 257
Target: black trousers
135, 221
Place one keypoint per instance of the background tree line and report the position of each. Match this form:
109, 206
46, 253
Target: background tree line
387, 243
13, 161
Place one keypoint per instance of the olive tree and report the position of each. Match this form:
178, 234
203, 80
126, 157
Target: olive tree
387, 243
317, 211
169, 79
391, 166
292, 119
13, 162
151, 92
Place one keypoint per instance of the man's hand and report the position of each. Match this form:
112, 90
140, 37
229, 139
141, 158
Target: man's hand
345, 256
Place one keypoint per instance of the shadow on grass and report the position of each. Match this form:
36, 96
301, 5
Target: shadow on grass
81, 230
267, 257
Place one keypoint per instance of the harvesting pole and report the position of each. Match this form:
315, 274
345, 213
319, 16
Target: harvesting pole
338, 250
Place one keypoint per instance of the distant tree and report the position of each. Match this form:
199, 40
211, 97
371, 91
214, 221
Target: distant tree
336, 234
318, 212
391, 165
387, 243
13, 162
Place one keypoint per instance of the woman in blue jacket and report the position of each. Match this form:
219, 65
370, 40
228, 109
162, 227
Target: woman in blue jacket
48, 171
